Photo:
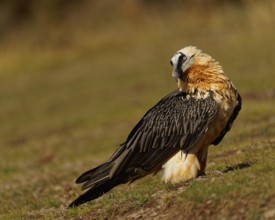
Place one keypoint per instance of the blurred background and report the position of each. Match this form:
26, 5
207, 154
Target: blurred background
75, 76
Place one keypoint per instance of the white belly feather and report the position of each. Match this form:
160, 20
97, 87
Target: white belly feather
180, 167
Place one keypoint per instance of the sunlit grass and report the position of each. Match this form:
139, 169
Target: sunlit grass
66, 109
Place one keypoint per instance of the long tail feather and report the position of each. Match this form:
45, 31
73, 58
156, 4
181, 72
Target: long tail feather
94, 174
96, 191
99, 182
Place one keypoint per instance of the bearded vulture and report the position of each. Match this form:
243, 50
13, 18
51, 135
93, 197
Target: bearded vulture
174, 135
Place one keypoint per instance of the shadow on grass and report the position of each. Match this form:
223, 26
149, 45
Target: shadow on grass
238, 166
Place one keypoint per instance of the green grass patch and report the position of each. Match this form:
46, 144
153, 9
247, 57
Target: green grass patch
66, 109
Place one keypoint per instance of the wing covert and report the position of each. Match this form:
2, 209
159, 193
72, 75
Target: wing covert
175, 123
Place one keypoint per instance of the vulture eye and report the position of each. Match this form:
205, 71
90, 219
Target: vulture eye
184, 58
171, 63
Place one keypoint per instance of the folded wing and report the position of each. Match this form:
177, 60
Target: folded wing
177, 122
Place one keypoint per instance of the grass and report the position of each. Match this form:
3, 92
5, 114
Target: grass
66, 109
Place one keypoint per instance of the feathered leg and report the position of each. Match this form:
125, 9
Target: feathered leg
202, 156
181, 167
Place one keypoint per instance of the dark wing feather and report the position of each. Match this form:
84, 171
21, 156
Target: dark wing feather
176, 123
